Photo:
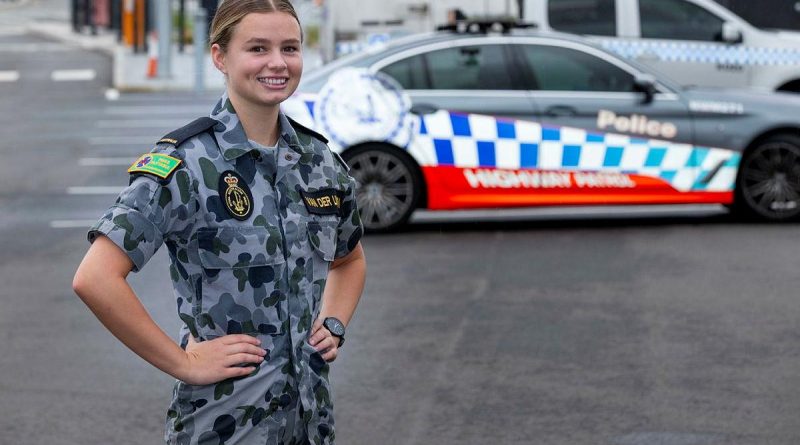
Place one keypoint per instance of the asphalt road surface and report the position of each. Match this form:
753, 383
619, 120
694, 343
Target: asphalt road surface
545, 330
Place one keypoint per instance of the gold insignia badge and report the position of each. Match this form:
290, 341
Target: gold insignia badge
236, 195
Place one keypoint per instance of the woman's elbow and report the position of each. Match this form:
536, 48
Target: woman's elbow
81, 282
103, 264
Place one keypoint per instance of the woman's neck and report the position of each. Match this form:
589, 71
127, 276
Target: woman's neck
260, 123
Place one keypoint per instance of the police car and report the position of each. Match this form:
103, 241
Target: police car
481, 119
694, 42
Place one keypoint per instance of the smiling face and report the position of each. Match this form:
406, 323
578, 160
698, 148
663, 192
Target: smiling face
263, 60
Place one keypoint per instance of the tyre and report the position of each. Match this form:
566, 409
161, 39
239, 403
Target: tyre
768, 184
389, 185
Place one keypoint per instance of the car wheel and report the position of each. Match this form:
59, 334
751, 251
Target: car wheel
389, 185
768, 184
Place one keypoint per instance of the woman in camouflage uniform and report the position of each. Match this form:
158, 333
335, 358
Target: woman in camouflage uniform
263, 234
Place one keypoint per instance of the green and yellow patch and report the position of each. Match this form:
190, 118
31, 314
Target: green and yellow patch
156, 164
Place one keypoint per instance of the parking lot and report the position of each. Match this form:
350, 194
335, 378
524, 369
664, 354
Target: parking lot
517, 328
622, 325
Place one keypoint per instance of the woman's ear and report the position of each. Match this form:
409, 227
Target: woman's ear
218, 57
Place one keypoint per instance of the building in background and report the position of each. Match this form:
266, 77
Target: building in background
348, 26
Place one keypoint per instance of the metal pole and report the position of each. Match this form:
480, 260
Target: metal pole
75, 24
200, 38
90, 10
164, 20
328, 31
140, 31
181, 26
87, 13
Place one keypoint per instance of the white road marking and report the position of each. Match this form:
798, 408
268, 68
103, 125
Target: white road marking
123, 140
147, 123
72, 223
72, 75
112, 94
9, 76
10, 30
34, 47
173, 100
144, 110
95, 190
99, 162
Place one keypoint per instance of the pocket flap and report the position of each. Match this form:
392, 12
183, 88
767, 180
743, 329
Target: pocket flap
239, 247
322, 235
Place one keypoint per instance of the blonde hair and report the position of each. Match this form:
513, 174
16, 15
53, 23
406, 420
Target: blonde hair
231, 12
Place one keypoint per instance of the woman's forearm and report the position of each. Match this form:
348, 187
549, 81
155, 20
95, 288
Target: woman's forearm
344, 286
100, 283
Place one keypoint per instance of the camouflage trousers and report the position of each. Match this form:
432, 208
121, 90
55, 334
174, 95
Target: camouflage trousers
253, 414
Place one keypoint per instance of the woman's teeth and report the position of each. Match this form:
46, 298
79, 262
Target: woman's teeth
272, 80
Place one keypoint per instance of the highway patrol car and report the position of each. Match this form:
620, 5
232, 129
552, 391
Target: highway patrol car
457, 120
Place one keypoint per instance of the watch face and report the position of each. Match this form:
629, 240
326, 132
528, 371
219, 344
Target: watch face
335, 326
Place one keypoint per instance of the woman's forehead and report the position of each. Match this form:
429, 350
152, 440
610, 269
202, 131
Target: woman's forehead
268, 26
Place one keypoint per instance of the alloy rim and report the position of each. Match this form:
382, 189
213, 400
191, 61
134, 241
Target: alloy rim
385, 189
771, 180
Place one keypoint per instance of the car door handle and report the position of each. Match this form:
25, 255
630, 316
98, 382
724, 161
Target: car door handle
561, 111
423, 109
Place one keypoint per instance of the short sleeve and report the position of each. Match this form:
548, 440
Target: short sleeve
350, 230
145, 214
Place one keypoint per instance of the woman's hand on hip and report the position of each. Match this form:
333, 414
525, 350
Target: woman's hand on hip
216, 360
324, 342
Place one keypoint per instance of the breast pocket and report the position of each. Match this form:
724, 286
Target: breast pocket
322, 239
239, 291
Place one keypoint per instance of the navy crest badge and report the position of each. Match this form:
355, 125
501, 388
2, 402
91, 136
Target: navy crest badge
235, 195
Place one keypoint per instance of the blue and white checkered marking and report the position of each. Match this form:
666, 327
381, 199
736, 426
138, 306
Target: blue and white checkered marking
479, 141
475, 141
693, 52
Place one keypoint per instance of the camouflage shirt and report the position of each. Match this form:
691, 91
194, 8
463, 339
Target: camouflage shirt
251, 232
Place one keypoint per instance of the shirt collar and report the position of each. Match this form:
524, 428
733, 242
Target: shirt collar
232, 139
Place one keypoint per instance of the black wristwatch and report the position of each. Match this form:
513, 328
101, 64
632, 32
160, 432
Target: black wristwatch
336, 328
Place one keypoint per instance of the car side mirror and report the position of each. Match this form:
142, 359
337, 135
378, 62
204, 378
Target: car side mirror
645, 83
731, 34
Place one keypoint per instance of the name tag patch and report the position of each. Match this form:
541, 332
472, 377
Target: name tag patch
156, 164
323, 202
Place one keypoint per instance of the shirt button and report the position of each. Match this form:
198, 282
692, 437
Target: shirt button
289, 157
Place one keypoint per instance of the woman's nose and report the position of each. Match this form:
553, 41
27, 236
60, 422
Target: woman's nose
276, 61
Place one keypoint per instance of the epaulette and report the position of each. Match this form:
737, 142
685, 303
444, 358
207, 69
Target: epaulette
302, 129
161, 165
339, 158
194, 128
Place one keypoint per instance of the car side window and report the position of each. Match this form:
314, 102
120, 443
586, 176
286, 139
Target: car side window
564, 69
678, 20
478, 67
410, 73
594, 17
